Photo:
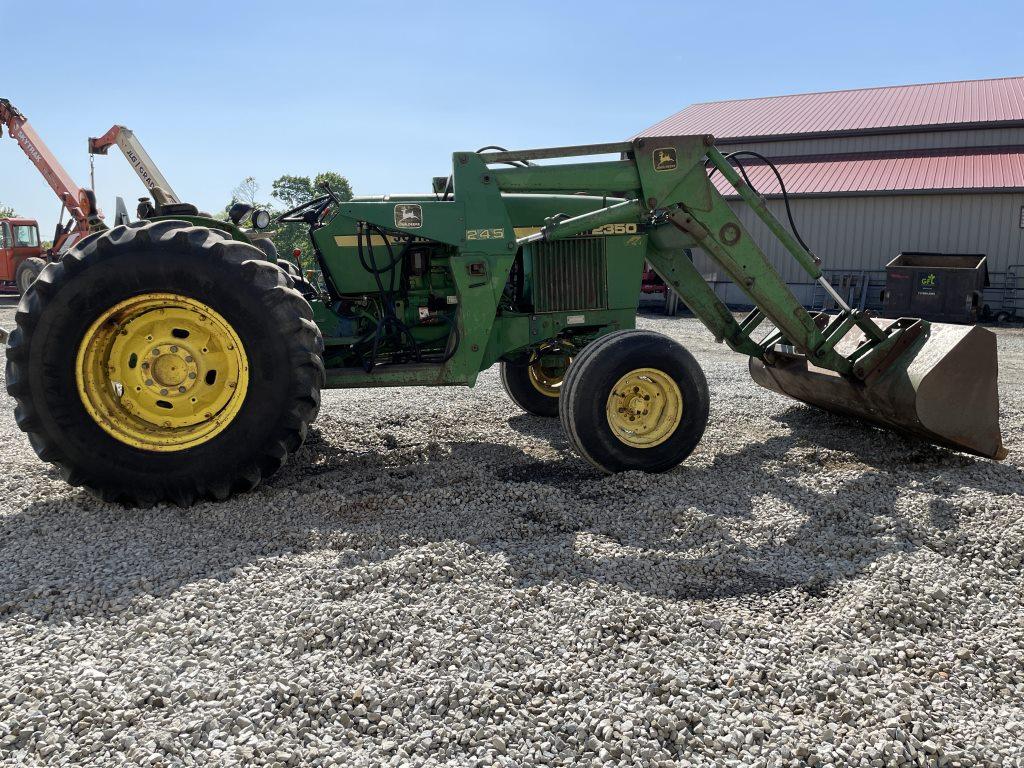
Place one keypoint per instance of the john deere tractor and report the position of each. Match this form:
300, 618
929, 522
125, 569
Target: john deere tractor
169, 359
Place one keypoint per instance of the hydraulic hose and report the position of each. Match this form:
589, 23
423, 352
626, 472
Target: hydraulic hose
389, 324
732, 157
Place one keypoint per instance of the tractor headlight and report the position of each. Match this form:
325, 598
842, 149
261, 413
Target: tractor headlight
237, 212
260, 218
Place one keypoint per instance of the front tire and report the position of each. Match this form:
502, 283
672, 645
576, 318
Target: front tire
27, 272
164, 362
536, 384
634, 400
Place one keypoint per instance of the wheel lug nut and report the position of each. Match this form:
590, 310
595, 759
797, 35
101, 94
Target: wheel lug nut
188, 358
174, 349
149, 382
163, 391
145, 366
192, 375
181, 389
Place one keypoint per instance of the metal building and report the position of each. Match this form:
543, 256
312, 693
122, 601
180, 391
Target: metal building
873, 172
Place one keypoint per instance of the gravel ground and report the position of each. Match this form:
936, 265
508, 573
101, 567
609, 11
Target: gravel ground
437, 580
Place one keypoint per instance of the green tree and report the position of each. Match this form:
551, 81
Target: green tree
292, 191
338, 184
6, 212
246, 192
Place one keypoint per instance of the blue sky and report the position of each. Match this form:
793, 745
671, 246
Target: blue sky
385, 92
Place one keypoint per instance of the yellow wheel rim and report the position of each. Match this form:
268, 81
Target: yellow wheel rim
546, 380
162, 372
645, 408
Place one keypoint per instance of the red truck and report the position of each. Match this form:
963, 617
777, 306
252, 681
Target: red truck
20, 254
652, 285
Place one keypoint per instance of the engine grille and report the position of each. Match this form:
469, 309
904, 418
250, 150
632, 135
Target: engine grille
570, 274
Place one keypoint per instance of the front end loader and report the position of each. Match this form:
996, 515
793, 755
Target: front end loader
167, 360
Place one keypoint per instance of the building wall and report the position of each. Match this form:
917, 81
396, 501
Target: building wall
854, 234
885, 142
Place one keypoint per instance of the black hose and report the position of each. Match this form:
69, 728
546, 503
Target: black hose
389, 323
782, 186
452, 344
393, 260
447, 189
385, 304
515, 163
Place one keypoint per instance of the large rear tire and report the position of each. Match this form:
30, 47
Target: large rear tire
266, 245
634, 400
27, 272
164, 362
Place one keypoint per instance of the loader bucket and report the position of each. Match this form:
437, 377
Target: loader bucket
942, 387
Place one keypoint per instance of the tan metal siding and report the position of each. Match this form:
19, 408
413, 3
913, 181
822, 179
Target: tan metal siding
864, 233
931, 171
995, 137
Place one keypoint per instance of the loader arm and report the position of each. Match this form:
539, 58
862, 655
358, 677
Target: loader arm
937, 382
137, 157
679, 207
76, 200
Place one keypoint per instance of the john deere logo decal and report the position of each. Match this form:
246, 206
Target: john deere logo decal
408, 216
665, 159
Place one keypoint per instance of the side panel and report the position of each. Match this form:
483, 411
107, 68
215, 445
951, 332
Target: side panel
625, 269
6, 253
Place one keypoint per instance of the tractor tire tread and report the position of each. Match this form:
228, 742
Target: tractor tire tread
33, 265
583, 373
568, 388
282, 302
516, 383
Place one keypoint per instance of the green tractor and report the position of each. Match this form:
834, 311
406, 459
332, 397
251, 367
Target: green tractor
170, 360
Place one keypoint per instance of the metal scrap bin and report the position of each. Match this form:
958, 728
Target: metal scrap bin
943, 287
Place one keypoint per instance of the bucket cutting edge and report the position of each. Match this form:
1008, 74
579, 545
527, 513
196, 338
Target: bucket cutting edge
943, 388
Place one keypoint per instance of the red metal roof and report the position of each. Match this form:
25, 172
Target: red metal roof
907, 107
927, 171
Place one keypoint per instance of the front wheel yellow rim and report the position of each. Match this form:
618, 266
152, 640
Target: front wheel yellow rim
547, 379
644, 408
162, 372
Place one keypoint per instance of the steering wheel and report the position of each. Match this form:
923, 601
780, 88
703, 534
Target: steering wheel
308, 212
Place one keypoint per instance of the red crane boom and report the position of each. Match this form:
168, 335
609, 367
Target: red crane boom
80, 203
